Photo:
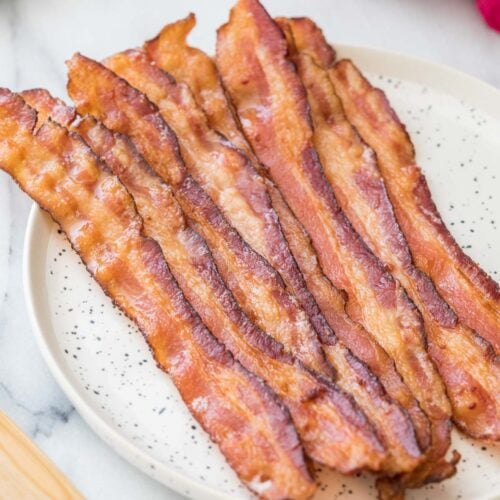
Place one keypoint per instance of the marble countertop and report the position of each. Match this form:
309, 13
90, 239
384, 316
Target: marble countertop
35, 39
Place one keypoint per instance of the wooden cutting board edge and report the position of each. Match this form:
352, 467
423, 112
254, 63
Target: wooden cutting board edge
26, 473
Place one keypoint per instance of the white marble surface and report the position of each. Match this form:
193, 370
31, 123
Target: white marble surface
35, 39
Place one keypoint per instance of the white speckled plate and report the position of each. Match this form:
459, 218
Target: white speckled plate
105, 368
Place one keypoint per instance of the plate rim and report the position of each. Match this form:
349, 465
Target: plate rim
441, 77
438, 76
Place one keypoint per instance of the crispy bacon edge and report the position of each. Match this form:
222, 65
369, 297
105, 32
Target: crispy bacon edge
265, 89
97, 214
192, 266
170, 51
126, 110
467, 365
473, 294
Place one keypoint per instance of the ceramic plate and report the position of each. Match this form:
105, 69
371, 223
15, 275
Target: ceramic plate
105, 368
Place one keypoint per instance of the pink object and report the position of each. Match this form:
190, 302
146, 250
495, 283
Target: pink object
490, 9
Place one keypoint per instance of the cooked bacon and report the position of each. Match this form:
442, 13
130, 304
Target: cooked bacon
332, 303
240, 193
346, 439
257, 287
192, 266
98, 216
467, 365
170, 52
474, 296
222, 171
305, 36
272, 106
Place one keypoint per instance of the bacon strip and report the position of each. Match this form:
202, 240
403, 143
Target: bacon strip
272, 106
97, 214
347, 440
474, 296
241, 194
466, 364
188, 64
193, 268
170, 52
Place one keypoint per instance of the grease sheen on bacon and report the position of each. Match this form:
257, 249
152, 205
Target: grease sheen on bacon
467, 365
98, 216
241, 194
350, 443
474, 296
272, 107
170, 51
307, 397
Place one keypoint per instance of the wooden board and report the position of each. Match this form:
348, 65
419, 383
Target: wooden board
25, 472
